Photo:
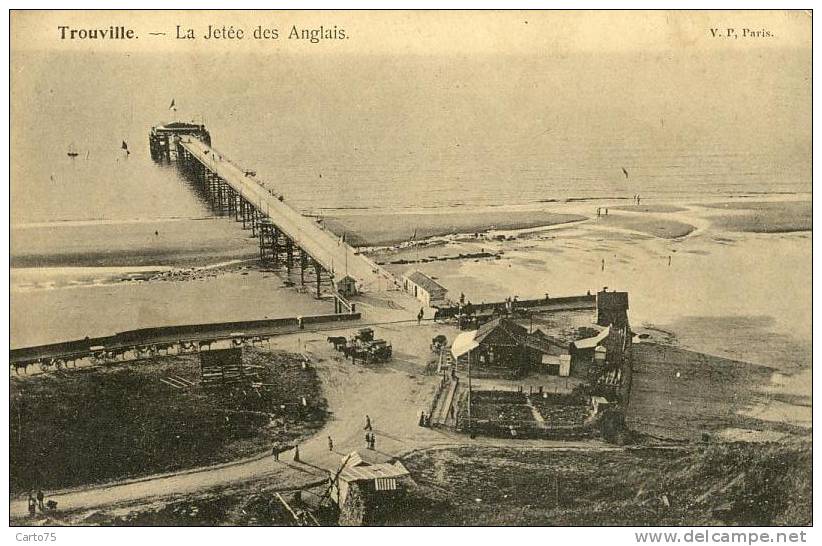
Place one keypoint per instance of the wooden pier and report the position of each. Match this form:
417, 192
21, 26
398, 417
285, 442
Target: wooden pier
286, 238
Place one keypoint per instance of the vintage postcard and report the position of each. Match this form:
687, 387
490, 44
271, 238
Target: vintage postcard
411, 268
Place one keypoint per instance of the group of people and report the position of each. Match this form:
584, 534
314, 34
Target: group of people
370, 439
37, 501
599, 211
370, 443
425, 419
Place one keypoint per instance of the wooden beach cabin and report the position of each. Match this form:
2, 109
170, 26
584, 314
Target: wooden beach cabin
424, 288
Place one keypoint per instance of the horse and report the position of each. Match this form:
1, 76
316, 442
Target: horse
339, 342
18, 365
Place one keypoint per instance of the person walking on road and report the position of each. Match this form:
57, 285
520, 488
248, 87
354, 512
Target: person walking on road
419, 316
367, 423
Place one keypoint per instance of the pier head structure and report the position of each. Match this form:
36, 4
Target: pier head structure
161, 139
289, 241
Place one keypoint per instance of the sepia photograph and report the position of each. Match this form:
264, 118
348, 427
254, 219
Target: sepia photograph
407, 268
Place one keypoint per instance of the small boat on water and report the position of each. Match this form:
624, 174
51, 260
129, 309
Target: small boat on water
72, 152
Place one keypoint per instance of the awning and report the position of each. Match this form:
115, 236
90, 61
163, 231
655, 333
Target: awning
591, 342
463, 343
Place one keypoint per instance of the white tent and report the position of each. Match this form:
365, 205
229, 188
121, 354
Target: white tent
464, 343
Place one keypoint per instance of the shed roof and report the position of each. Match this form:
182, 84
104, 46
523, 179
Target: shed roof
425, 282
368, 472
507, 325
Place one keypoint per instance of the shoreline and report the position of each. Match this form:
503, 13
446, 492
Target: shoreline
199, 242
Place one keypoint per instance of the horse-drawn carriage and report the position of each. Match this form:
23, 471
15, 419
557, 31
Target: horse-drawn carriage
362, 346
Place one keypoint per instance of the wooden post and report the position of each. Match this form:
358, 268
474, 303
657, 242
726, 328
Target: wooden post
289, 254
318, 271
469, 391
275, 245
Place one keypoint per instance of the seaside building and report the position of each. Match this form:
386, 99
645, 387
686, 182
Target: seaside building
424, 288
503, 348
362, 490
346, 286
612, 308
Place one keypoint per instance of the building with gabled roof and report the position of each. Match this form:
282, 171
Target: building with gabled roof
503, 348
424, 288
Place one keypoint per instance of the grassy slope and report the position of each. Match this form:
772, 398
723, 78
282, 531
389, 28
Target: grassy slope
122, 422
481, 486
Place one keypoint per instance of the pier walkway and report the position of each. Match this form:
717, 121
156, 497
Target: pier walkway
326, 249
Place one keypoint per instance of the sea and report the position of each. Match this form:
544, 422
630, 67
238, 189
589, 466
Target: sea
372, 132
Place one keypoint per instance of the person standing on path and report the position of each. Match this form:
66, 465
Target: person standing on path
40, 498
275, 453
32, 505
373, 443
296, 453
419, 316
